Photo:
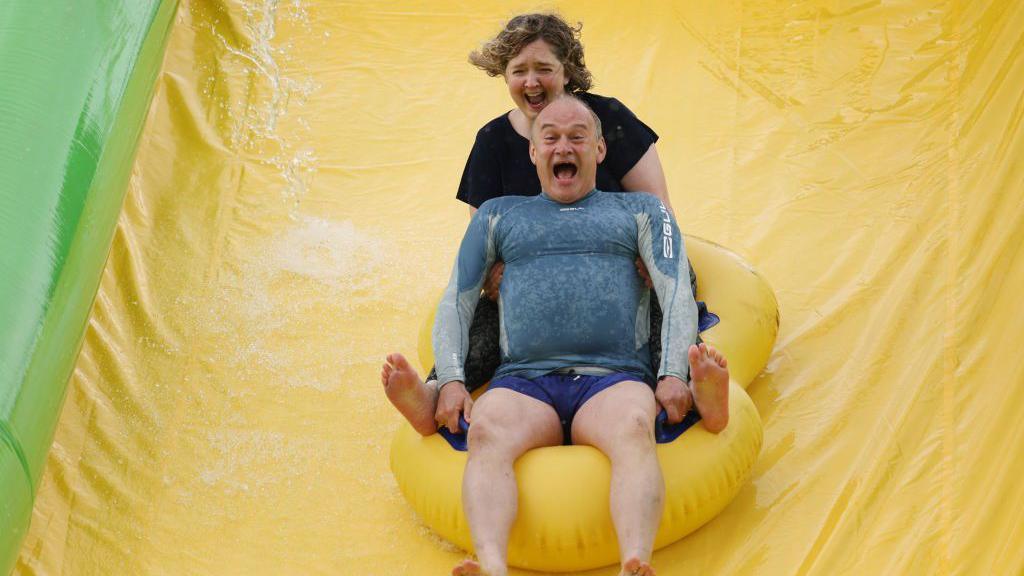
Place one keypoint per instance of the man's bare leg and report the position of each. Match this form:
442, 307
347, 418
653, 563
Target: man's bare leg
505, 425
619, 421
414, 398
709, 382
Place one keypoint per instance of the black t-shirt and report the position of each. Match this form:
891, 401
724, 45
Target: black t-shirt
499, 164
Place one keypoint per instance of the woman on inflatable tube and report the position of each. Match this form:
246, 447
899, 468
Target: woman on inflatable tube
540, 57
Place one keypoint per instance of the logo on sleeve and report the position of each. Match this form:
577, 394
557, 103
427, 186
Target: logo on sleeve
666, 233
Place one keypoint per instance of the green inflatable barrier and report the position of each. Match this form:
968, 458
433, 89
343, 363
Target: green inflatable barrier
77, 79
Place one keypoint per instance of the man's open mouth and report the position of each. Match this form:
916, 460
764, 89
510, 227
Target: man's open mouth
565, 170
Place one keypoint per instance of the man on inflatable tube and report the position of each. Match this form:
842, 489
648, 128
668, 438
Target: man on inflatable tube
575, 364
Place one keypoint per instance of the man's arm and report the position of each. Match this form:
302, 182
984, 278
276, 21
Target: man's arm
662, 251
455, 311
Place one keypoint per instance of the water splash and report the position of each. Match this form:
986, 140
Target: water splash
275, 91
300, 285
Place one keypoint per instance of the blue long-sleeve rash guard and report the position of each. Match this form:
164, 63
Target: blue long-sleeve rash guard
570, 295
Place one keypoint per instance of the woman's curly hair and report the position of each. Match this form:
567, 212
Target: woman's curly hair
564, 40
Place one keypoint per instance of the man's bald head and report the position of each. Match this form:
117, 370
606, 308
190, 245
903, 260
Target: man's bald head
567, 99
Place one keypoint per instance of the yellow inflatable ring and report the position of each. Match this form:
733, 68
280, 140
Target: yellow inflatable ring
563, 522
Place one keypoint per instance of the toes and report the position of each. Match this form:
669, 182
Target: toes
634, 567
718, 357
694, 354
400, 362
466, 568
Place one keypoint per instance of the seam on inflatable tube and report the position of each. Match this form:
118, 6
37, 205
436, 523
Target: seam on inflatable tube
8, 437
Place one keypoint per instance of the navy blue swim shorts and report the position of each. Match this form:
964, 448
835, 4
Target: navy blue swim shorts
566, 392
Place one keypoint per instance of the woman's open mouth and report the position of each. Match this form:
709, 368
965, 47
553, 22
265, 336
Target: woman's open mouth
536, 101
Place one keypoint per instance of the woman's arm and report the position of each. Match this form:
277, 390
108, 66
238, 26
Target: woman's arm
647, 176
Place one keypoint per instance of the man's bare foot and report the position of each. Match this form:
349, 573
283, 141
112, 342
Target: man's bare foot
469, 567
636, 567
709, 381
415, 399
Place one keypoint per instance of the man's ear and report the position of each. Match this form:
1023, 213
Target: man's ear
533, 153
601, 149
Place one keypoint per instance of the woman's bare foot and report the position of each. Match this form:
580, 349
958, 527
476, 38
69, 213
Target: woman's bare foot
415, 399
709, 381
636, 567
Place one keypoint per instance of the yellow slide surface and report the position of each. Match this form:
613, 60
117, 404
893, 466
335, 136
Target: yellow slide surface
291, 214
